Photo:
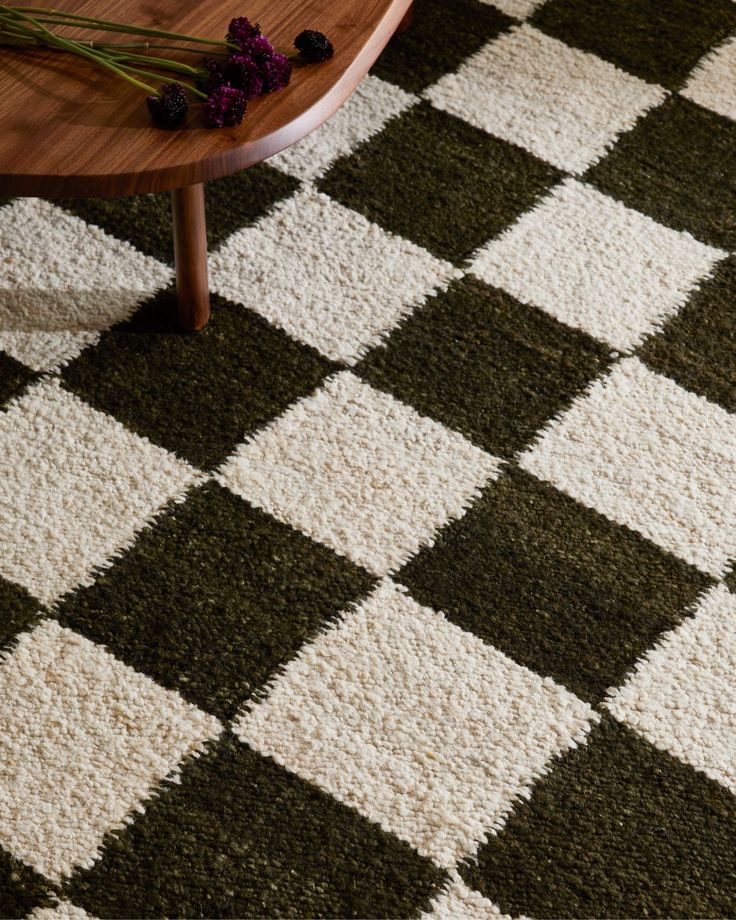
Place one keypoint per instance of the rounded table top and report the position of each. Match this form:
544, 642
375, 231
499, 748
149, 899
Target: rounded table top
70, 128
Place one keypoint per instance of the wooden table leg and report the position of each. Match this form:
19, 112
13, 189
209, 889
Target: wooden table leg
190, 255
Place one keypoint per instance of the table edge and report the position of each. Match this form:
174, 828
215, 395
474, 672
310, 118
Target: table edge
228, 161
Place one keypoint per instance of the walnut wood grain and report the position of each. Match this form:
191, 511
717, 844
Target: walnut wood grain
68, 128
190, 256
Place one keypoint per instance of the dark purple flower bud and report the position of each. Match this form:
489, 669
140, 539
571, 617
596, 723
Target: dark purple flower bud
274, 68
313, 46
169, 106
243, 72
259, 48
225, 107
215, 68
241, 30
276, 73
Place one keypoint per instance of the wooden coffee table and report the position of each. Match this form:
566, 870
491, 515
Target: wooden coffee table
68, 129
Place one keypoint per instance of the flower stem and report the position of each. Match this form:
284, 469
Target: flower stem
161, 63
146, 46
51, 38
116, 63
147, 73
120, 71
58, 17
18, 41
7, 31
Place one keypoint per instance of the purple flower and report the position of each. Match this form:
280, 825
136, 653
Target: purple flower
169, 106
225, 107
276, 73
273, 68
241, 30
215, 68
259, 48
243, 72
313, 46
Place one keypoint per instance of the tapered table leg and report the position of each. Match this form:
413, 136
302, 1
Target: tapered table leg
190, 255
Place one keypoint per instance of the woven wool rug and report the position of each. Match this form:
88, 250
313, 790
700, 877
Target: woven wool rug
406, 587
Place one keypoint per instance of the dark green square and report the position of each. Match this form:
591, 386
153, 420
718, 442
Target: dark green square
18, 611
145, 220
416, 58
484, 364
617, 829
678, 166
21, 889
242, 837
438, 181
213, 598
659, 42
697, 347
196, 394
14, 377
554, 585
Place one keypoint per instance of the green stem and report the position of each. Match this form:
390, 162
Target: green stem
11, 32
18, 41
115, 63
162, 63
128, 69
156, 76
105, 60
121, 72
30, 29
146, 46
12, 25
55, 40
6, 28
58, 17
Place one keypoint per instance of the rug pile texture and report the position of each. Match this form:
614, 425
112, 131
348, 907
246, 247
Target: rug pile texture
406, 588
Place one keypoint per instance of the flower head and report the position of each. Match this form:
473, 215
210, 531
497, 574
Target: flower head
258, 47
243, 72
313, 46
241, 30
273, 68
225, 107
215, 68
276, 73
169, 106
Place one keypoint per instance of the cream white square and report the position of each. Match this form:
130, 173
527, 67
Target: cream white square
356, 469
326, 275
597, 265
63, 281
518, 8
713, 82
372, 104
682, 696
83, 740
650, 455
563, 105
75, 488
416, 723
64, 910
458, 902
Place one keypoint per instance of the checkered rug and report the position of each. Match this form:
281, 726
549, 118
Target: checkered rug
406, 588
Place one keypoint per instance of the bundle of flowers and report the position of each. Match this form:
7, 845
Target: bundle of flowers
235, 70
